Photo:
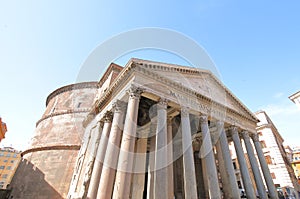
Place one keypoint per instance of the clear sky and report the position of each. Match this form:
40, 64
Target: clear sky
43, 44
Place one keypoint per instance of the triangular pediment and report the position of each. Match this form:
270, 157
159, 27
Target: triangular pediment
199, 80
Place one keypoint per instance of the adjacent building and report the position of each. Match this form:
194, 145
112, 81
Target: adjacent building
296, 162
9, 161
296, 151
276, 155
295, 98
3, 129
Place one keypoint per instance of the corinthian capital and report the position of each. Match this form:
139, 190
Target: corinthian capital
245, 135
135, 92
119, 106
233, 130
162, 103
203, 119
255, 137
184, 111
220, 125
108, 116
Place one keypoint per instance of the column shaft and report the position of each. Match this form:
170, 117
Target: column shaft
138, 179
170, 161
207, 153
150, 183
229, 170
125, 164
101, 149
161, 155
91, 152
82, 156
108, 174
254, 165
243, 165
264, 167
190, 185
205, 181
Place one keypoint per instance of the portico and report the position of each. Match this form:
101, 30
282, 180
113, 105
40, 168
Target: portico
168, 137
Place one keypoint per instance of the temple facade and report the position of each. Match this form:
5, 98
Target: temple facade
159, 130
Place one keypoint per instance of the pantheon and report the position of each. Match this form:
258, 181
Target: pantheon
150, 130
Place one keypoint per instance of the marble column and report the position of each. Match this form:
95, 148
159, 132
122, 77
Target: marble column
190, 185
205, 182
229, 182
125, 164
82, 154
91, 152
150, 183
138, 179
264, 167
254, 165
170, 160
161, 155
101, 149
108, 174
207, 153
243, 165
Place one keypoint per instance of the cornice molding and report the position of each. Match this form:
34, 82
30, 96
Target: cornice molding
62, 113
53, 147
112, 67
71, 87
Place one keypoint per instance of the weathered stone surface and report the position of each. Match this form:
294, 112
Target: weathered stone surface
48, 164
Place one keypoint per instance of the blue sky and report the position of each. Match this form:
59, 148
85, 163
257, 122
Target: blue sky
43, 44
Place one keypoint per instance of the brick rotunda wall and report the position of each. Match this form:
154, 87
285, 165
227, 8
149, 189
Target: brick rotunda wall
47, 166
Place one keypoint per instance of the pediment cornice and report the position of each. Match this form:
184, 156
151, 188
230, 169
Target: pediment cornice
150, 69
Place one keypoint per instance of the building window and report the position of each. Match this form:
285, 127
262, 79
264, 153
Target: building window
2, 167
1, 182
8, 155
15, 155
268, 159
8, 168
5, 160
1, 186
273, 175
1, 154
4, 175
234, 165
12, 161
